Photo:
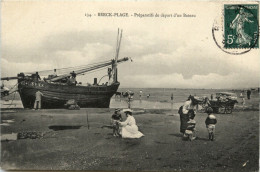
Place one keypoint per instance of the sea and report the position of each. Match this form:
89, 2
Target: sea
159, 98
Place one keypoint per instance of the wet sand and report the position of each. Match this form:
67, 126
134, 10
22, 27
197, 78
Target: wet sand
114, 103
94, 148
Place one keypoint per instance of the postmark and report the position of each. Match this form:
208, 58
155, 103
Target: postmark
236, 30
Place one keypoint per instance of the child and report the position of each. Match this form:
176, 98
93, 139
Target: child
210, 123
116, 117
190, 130
243, 102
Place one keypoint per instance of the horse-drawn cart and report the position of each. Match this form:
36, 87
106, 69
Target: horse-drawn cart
224, 102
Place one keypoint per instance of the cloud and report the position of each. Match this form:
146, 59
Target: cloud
155, 59
55, 47
173, 52
9, 69
187, 61
176, 80
64, 50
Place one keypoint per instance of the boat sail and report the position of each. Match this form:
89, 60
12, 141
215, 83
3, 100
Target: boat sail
57, 90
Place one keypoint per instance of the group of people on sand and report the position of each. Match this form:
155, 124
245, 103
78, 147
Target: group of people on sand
188, 123
129, 129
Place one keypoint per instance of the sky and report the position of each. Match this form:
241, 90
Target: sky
166, 52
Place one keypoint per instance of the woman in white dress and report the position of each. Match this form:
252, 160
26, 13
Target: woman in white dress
129, 127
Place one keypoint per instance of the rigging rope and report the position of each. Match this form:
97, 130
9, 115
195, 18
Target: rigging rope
12, 93
12, 100
11, 89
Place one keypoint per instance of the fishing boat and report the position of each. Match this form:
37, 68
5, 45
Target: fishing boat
56, 90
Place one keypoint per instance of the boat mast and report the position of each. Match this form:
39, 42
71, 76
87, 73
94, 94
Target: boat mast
114, 66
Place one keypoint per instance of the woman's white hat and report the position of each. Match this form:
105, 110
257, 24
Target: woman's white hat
127, 110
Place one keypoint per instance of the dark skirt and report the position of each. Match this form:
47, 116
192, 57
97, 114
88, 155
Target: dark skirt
184, 118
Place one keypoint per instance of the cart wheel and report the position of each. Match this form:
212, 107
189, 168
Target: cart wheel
215, 110
228, 110
221, 110
204, 110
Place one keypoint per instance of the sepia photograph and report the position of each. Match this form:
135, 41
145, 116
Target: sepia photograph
129, 85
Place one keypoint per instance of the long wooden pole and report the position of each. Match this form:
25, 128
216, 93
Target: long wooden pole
87, 119
117, 40
116, 59
9, 78
88, 69
119, 46
114, 66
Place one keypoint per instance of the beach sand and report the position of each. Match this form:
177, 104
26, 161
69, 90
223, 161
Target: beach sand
91, 147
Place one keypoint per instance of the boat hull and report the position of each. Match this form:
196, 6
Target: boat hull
56, 95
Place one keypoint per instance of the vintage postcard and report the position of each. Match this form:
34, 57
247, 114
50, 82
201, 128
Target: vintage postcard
130, 85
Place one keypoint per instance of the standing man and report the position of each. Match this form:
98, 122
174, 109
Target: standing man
54, 73
140, 94
73, 74
172, 97
109, 73
129, 100
38, 100
248, 94
36, 77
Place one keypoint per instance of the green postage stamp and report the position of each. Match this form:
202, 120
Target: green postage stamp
241, 26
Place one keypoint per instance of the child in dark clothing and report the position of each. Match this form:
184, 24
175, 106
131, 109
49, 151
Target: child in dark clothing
116, 117
210, 122
190, 131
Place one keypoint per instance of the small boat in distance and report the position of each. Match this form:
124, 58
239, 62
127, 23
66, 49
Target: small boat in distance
58, 89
